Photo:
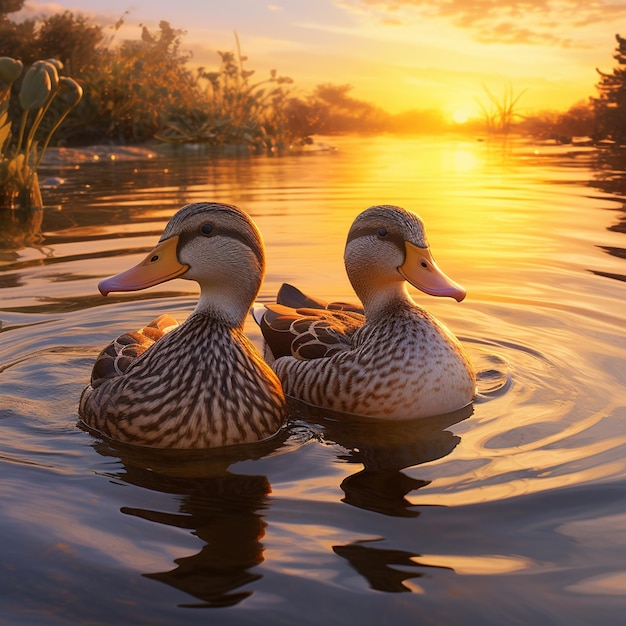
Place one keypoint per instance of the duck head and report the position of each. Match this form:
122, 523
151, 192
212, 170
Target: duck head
216, 245
387, 246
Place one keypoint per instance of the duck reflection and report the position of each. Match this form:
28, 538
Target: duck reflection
223, 509
381, 491
384, 448
375, 565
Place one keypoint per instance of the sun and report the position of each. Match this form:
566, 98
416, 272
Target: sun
461, 115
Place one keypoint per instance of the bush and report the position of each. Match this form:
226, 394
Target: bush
235, 110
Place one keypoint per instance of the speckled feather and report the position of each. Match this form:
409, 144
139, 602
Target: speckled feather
388, 359
222, 393
202, 384
409, 367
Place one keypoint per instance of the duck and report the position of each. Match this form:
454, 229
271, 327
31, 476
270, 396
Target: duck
202, 383
386, 356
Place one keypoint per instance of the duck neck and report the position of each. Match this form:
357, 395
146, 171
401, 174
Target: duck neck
376, 302
224, 305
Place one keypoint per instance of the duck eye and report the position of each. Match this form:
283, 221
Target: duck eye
382, 232
154, 258
207, 229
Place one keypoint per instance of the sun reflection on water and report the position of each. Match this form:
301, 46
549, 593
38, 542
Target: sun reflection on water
523, 492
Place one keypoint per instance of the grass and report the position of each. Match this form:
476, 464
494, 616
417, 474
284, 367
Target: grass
499, 114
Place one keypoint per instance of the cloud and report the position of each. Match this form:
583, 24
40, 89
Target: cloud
546, 22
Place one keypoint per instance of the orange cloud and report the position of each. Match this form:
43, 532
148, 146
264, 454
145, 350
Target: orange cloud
546, 22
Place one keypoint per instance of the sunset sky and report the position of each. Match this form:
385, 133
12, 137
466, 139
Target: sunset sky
398, 54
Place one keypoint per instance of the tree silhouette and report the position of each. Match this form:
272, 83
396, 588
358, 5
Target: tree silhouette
10, 6
610, 106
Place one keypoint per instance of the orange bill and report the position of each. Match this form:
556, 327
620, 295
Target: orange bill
419, 269
160, 265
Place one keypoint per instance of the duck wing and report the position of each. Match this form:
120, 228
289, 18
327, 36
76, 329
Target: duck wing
308, 328
292, 297
123, 351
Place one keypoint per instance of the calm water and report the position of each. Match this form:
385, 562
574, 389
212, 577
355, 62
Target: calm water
511, 513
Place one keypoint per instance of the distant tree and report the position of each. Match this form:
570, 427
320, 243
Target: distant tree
418, 121
306, 116
70, 39
343, 113
10, 6
330, 109
15, 37
610, 106
73, 40
578, 121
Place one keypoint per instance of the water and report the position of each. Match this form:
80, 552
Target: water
512, 512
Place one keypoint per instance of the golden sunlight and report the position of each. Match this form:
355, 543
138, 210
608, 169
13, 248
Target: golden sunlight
476, 565
464, 113
460, 116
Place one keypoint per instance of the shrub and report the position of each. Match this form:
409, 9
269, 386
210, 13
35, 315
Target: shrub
234, 110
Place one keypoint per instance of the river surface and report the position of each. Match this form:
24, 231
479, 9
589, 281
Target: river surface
512, 512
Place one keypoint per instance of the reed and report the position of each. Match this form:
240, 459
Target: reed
499, 114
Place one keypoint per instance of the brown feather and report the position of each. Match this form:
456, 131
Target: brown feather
399, 363
121, 353
202, 384
306, 331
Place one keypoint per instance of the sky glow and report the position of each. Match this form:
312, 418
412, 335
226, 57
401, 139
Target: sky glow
398, 54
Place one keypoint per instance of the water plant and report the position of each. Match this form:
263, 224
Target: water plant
42, 96
499, 114
235, 109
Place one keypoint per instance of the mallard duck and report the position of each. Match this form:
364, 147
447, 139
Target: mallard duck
203, 383
386, 358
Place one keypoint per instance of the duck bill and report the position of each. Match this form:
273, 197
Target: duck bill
419, 268
160, 265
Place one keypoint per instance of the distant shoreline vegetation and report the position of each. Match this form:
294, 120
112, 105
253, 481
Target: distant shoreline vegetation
138, 91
